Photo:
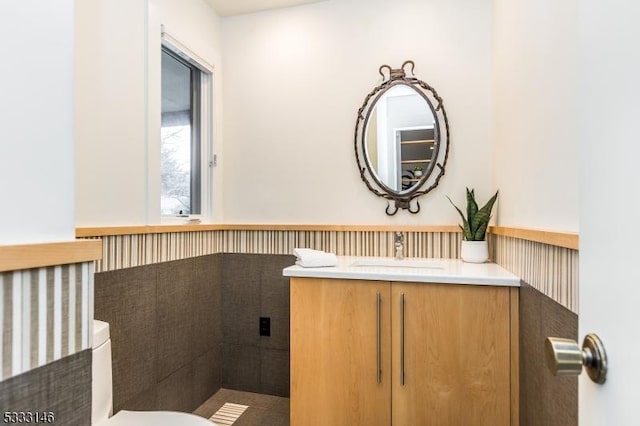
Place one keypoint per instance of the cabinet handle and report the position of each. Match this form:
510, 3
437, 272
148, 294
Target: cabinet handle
378, 339
402, 339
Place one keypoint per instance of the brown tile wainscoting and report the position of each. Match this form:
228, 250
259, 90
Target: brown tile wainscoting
253, 287
166, 333
62, 387
545, 400
183, 329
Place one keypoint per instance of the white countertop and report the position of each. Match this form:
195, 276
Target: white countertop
445, 271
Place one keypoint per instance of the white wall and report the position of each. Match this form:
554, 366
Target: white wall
36, 150
294, 80
110, 96
534, 129
118, 98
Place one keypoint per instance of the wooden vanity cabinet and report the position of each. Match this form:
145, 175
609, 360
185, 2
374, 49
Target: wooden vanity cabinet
334, 352
457, 355
448, 354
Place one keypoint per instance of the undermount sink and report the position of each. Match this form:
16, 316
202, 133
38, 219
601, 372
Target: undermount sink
400, 263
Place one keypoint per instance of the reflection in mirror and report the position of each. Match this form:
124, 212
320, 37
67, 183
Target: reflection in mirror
400, 138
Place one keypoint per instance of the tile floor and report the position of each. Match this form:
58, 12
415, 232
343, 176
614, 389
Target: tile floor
264, 410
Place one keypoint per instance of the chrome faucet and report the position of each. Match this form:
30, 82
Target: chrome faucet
399, 245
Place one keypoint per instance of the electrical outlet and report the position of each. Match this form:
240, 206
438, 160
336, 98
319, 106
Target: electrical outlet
265, 326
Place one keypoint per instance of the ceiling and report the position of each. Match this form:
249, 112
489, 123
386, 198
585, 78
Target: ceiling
239, 7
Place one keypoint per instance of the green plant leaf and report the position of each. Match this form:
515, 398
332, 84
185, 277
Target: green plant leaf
466, 230
472, 207
481, 232
481, 219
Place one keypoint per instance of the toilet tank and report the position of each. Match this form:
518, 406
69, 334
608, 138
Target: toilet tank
101, 385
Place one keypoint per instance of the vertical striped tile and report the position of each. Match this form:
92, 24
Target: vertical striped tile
86, 323
64, 311
57, 312
551, 270
26, 320
126, 251
3, 338
35, 317
7, 324
39, 313
71, 311
78, 308
50, 292
89, 321
16, 341
42, 316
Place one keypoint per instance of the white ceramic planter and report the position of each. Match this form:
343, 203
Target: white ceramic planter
475, 251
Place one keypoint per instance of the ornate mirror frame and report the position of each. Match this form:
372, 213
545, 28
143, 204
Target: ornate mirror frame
436, 168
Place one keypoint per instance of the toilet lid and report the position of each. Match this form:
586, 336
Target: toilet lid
155, 418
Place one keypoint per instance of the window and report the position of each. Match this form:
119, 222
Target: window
184, 135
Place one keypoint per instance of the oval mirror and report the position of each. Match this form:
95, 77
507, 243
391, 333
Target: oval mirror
402, 138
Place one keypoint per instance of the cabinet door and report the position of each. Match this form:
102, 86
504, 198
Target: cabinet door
455, 352
338, 332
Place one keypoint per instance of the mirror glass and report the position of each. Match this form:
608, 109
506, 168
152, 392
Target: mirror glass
400, 138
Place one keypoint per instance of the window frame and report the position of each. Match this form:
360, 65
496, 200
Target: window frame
202, 119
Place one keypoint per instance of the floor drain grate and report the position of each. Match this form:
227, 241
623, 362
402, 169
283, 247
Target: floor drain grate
228, 414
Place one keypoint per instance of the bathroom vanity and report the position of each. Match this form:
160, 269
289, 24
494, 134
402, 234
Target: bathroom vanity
376, 341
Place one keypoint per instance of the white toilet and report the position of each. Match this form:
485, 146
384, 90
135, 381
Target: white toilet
102, 399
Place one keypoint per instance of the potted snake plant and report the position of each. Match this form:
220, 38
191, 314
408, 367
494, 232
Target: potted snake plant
474, 228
